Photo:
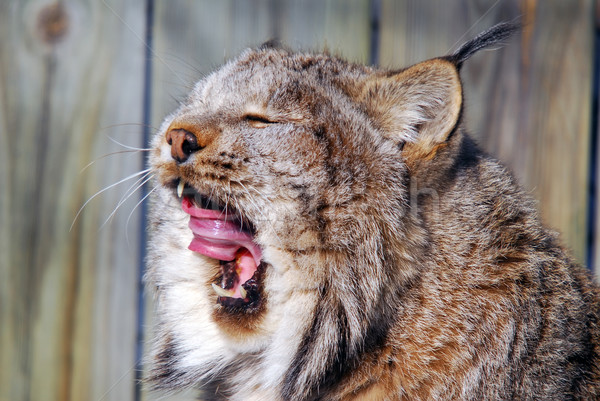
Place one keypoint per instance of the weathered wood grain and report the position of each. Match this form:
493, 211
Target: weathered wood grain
71, 73
528, 103
594, 252
68, 297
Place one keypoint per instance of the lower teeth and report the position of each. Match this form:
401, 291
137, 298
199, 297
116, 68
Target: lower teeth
222, 292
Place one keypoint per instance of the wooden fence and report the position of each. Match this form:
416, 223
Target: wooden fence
83, 81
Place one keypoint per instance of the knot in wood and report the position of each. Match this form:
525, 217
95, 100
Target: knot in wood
53, 23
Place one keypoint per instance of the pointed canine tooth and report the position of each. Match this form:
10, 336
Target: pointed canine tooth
243, 292
180, 188
222, 292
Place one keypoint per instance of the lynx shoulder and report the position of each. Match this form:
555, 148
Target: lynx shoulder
322, 230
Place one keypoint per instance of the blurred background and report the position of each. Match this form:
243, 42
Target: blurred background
85, 83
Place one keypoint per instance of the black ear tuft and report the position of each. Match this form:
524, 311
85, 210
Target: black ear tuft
496, 35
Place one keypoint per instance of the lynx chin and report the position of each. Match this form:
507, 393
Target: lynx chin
293, 255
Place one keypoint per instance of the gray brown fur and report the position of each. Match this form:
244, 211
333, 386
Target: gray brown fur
402, 262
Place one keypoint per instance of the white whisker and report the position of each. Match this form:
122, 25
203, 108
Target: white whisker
212, 191
127, 146
133, 188
472, 26
137, 125
146, 177
111, 154
133, 210
259, 210
227, 197
106, 189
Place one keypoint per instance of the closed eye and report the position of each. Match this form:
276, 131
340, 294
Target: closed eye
258, 121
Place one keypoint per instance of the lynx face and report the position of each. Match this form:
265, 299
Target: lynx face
292, 259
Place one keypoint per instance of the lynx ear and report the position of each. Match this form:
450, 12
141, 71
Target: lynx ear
419, 106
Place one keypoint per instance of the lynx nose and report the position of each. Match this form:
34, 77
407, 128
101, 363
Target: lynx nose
183, 144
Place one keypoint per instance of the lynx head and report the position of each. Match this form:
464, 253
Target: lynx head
283, 236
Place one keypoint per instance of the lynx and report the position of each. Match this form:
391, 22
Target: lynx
323, 230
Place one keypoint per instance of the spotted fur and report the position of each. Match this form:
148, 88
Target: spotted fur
401, 262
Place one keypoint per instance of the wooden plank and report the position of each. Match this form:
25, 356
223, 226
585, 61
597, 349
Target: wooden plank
595, 251
556, 87
340, 26
529, 103
68, 312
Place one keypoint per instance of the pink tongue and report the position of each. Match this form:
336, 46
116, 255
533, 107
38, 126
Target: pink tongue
221, 237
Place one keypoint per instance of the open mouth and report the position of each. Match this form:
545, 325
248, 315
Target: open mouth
222, 233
